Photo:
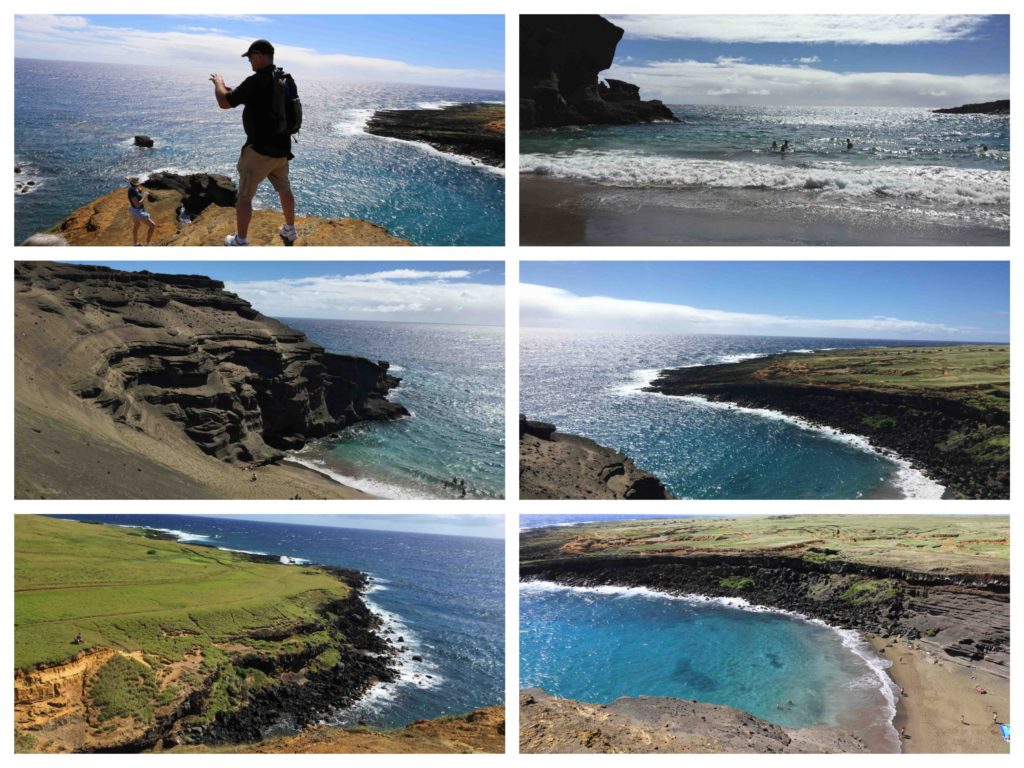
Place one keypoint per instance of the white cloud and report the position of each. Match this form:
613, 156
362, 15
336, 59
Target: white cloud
731, 82
806, 60
401, 295
74, 38
861, 29
546, 307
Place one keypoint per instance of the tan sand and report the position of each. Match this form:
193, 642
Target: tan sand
937, 692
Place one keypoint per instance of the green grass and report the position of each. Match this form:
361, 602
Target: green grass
881, 423
123, 687
123, 590
736, 582
870, 591
926, 543
976, 375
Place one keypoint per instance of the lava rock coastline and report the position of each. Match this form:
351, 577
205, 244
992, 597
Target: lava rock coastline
965, 616
560, 58
470, 130
1000, 107
934, 432
553, 465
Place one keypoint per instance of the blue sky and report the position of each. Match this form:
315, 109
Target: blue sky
802, 60
460, 292
466, 51
481, 526
940, 300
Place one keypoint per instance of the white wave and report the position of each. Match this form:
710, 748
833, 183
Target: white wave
378, 488
913, 483
242, 551
182, 536
953, 187
449, 156
288, 560
851, 639
393, 368
421, 674
436, 104
353, 122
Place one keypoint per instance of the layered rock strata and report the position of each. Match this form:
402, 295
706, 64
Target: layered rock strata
560, 59
471, 130
553, 465
178, 353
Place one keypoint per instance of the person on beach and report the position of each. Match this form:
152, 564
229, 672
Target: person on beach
137, 208
266, 151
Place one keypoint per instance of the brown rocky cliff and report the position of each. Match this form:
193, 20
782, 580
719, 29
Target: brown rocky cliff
210, 200
177, 353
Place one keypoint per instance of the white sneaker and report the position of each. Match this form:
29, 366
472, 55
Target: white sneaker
235, 240
288, 233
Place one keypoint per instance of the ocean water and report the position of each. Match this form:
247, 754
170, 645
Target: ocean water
443, 594
74, 124
453, 384
590, 384
906, 163
599, 644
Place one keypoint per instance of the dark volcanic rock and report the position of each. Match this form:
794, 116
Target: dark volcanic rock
560, 58
1001, 107
143, 141
553, 465
472, 130
198, 190
180, 350
966, 615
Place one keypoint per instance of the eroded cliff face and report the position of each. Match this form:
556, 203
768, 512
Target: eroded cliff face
966, 616
560, 58
158, 352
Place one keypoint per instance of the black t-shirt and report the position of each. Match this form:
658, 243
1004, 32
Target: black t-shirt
135, 198
257, 93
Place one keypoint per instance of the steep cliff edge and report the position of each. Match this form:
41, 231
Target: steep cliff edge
553, 465
155, 365
470, 130
209, 200
560, 58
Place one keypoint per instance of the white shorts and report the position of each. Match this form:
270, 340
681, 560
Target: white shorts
139, 214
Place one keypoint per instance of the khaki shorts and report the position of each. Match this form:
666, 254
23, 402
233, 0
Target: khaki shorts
254, 168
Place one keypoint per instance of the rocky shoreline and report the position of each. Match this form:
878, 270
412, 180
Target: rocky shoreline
469, 130
1000, 107
946, 436
177, 359
560, 60
554, 465
964, 616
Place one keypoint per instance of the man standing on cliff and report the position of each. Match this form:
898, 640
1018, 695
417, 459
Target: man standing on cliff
267, 151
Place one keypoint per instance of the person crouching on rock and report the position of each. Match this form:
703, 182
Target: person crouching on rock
137, 208
266, 151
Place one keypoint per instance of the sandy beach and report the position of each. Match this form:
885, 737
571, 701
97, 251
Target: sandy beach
940, 710
558, 212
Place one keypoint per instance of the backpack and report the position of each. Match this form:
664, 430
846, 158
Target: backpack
286, 107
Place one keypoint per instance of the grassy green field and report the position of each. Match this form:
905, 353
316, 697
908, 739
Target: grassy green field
926, 543
979, 375
123, 590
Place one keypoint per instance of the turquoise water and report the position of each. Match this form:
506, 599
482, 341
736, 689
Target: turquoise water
907, 163
590, 384
74, 125
443, 594
599, 644
453, 384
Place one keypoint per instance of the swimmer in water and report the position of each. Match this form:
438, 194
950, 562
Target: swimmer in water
785, 147
849, 145
775, 146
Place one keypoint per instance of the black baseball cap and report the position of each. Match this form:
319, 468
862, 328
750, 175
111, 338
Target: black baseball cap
259, 46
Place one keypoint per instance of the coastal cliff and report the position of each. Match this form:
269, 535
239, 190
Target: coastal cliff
166, 368
945, 409
560, 58
553, 465
209, 200
662, 725
470, 130
927, 579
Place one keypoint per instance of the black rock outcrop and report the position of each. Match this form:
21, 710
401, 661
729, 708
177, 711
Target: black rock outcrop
197, 190
1000, 107
143, 141
560, 58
